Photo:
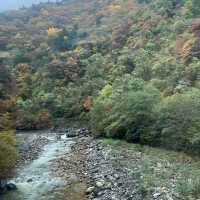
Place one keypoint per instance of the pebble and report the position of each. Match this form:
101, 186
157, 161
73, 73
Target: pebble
90, 190
156, 195
100, 183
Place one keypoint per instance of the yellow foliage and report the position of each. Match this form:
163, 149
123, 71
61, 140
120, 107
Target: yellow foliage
136, 42
79, 50
8, 158
8, 154
114, 8
5, 121
52, 31
186, 50
106, 91
7, 137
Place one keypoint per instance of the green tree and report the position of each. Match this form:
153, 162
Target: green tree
126, 109
179, 121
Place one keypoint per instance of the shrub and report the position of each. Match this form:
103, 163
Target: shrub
5, 121
179, 121
101, 110
8, 154
25, 120
43, 120
125, 110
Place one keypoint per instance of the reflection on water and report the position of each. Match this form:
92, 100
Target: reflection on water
35, 181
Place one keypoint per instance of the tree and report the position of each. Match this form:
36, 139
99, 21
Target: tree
8, 155
178, 121
23, 80
125, 110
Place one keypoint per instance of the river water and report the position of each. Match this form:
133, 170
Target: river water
35, 180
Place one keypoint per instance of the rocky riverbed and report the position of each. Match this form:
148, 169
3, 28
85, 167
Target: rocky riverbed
96, 172
56, 167
100, 172
30, 146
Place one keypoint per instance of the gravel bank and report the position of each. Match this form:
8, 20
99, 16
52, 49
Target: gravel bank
94, 172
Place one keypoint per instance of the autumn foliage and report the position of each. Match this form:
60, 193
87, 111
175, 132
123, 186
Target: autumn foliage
43, 120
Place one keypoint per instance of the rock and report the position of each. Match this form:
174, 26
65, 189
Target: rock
90, 190
100, 183
11, 186
108, 185
2, 186
116, 176
71, 133
29, 180
156, 195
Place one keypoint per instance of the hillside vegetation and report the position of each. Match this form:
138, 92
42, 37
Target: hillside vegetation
129, 67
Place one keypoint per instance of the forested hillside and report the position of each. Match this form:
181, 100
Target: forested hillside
129, 67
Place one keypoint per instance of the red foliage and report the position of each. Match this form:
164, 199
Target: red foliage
4, 105
196, 27
147, 25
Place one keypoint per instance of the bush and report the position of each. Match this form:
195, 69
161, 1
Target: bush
8, 154
5, 121
179, 121
25, 120
125, 110
43, 120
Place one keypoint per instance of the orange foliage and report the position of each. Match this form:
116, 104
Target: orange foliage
43, 120
184, 46
88, 102
4, 105
52, 31
71, 61
196, 27
147, 25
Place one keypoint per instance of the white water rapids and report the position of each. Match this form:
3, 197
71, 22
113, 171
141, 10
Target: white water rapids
35, 180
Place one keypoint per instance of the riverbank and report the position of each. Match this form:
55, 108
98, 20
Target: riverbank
34, 178
116, 170
30, 145
84, 168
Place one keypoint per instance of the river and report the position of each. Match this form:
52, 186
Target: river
35, 180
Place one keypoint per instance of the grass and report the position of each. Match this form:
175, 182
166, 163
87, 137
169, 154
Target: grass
171, 171
189, 186
114, 143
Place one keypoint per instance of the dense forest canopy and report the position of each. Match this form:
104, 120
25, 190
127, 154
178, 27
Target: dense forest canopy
130, 67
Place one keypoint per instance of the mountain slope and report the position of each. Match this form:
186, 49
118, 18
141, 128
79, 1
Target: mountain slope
123, 64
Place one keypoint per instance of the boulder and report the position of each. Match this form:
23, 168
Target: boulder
100, 183
29, 180
71, 134
11, 186
83, 132
2, 186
